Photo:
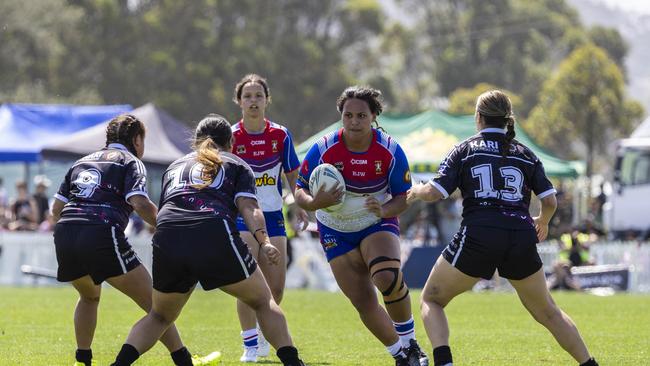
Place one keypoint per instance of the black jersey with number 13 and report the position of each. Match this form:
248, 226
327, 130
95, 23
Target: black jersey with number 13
496, 190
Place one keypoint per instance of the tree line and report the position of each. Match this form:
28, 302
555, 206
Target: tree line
567, 80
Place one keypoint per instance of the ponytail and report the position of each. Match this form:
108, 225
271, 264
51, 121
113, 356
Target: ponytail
495, 109
510, 135
208, 155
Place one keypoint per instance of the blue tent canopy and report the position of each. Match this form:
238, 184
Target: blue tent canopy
26, 128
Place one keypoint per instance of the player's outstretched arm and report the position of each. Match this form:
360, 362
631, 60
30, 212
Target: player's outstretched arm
423, 191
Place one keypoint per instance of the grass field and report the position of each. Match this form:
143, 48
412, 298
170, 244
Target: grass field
487, 329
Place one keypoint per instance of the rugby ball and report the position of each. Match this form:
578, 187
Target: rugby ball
326, 176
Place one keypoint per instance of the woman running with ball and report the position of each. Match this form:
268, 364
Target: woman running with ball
361, 239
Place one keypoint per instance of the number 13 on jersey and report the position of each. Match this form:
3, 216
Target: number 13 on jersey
513, 181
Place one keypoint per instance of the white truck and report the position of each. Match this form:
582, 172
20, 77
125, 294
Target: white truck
627, 213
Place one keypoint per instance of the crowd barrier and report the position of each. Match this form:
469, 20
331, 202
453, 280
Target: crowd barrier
29, 259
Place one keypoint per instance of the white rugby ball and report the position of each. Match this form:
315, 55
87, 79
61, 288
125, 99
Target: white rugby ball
326, 175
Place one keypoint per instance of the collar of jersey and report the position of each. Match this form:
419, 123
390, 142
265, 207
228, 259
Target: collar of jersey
266, 125
493, 130
115, 145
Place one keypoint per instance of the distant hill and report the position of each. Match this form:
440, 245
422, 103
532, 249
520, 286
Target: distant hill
635, 29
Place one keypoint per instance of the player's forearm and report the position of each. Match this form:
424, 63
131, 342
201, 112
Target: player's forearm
146, 209
549, 205
394, 207
57, 207
292, 177
254, 219
304, 200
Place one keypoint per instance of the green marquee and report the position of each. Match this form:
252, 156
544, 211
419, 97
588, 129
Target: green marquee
427, 137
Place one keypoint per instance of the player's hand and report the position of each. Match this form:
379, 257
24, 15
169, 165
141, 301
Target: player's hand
326, 198
303, 219
413, 194
374, 206
271, 252
541, 228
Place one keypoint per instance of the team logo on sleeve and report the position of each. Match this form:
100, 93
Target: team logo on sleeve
274, 145
241, 149
407, 177
378, 169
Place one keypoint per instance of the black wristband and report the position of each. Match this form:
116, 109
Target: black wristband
255, 235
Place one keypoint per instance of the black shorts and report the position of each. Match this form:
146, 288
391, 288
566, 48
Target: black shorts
208, 251
478, 251
101, 251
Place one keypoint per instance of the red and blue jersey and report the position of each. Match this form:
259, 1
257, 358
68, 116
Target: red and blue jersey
268, 154
381, 171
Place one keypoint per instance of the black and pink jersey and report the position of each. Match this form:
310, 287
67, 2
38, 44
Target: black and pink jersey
96, 188
496, 190
181, 202
268, 153
382, 171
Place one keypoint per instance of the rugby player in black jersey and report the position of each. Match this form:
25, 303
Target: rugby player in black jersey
496, 176
92, 209
197, 241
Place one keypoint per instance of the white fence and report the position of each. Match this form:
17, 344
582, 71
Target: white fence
309, 268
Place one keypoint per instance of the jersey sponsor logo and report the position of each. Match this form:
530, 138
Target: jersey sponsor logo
265, 180
358, 174
407, 177
241, 149
93, 156
257, 142
258, 153
485, 145
274, 145
358, 161
378, 164
339, 165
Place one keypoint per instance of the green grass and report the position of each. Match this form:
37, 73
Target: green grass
487, 329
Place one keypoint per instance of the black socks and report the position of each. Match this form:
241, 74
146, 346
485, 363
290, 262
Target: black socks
84, 356
289, 356
441, 356
182, 357
590, 362
128, 354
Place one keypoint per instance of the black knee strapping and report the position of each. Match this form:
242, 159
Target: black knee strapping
390, 293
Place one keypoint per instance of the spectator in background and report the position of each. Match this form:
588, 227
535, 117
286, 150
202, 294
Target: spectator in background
561, 221
574, 252
600, 202
41, 198
449, 218
422, 232
22, 210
